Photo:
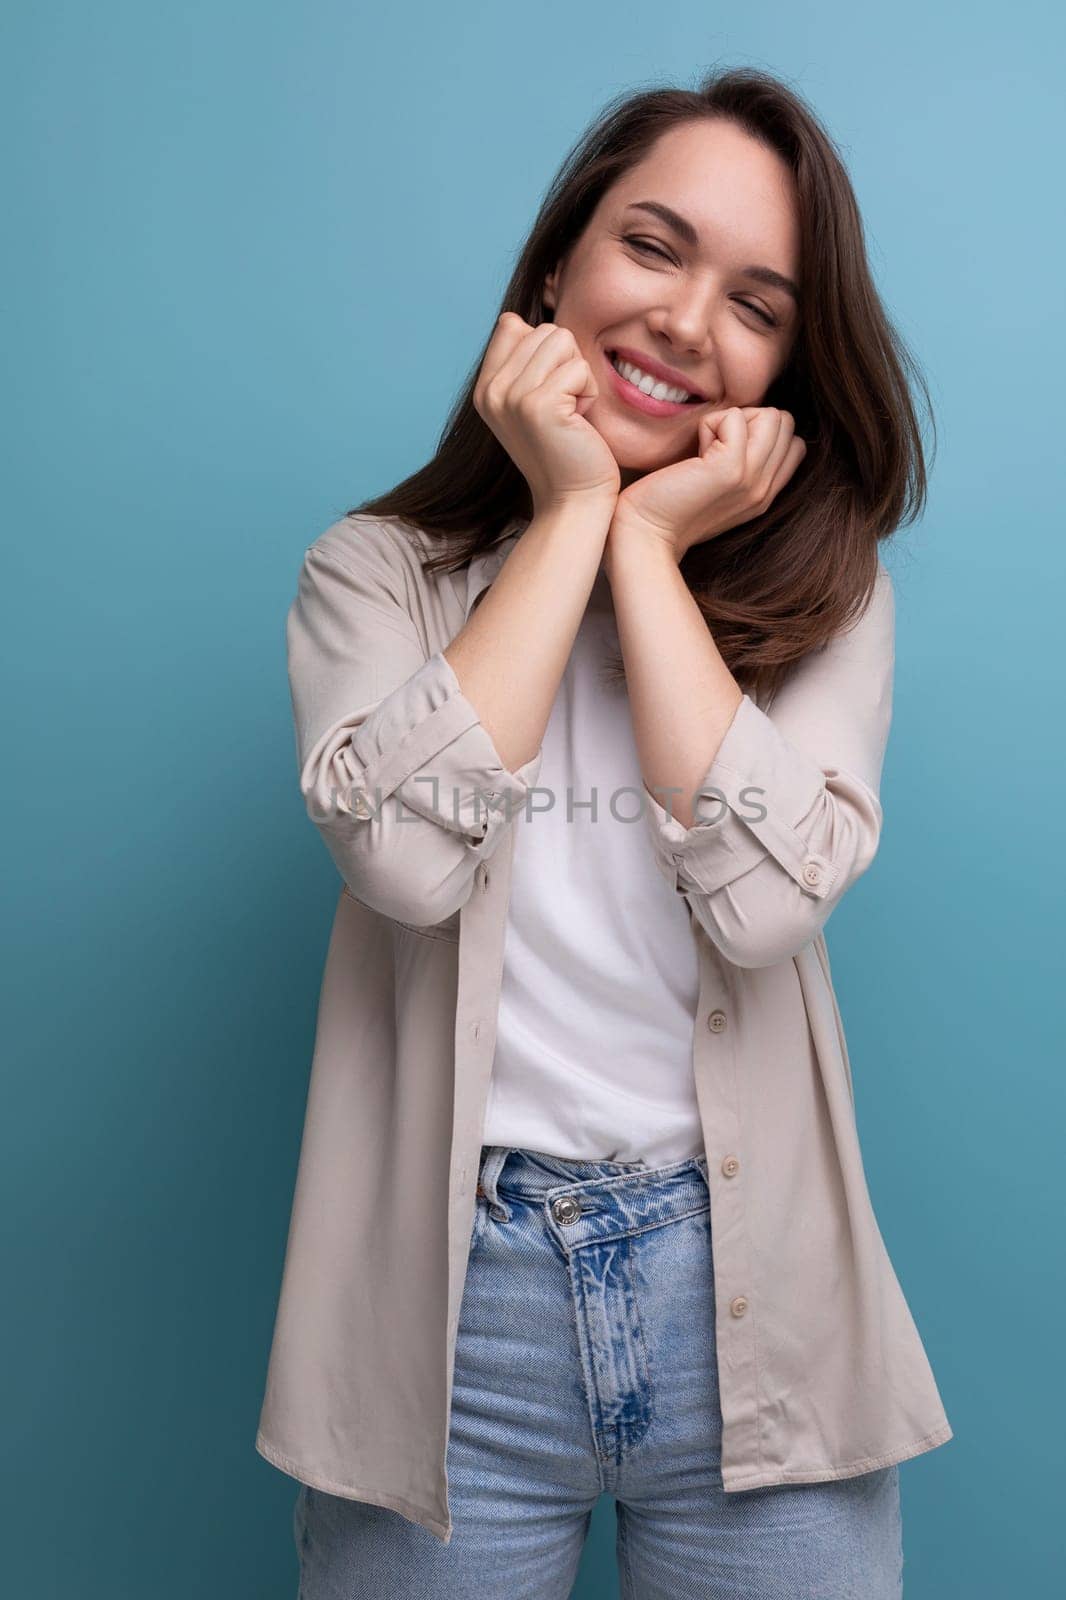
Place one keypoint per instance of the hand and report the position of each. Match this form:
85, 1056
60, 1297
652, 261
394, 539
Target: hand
532, 391
745, 457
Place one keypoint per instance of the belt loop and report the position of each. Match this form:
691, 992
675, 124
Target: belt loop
493, 1158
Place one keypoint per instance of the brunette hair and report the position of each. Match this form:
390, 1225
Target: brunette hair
784, 582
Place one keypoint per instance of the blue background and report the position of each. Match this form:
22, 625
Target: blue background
251, 252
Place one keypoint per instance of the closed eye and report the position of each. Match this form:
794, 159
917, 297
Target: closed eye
653, 249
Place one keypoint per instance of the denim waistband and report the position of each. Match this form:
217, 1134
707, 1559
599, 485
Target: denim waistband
613, 1196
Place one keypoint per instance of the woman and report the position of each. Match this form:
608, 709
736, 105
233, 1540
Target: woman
580, 1204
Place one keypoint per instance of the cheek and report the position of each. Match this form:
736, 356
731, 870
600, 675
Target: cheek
609, 293
749, 365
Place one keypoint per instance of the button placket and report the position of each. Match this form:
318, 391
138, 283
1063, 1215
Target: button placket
729, 1166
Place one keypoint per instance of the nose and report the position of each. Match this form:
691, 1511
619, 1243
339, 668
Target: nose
685, 325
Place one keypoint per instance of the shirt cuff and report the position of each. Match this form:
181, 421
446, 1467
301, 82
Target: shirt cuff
750, 804
426, 745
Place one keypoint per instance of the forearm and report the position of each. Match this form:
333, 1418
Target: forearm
682, 696
510, 656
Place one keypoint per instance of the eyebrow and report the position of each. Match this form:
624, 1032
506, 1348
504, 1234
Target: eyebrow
684, 230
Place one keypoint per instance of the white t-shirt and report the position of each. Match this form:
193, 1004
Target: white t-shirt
600, 988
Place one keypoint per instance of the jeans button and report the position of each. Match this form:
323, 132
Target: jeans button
566, 1209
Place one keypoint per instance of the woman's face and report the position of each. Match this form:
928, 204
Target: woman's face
633, 280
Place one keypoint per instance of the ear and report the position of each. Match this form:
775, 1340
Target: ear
548, 293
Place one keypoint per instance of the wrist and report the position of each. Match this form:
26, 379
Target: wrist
587, 521
597, 506
629, 545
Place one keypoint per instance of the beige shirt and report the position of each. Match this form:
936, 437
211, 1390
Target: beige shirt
821, 1370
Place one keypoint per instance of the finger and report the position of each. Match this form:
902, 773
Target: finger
763, 436
797, 449
725, 436
541, 362
769, 436
508, 333
511, 330
787, 442
498, 385
573, 380
511, 334
714, 421
570, 378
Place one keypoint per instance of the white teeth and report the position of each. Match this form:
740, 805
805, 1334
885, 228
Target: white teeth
647, 384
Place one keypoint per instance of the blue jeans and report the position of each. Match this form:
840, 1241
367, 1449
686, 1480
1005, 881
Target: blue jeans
583, 1366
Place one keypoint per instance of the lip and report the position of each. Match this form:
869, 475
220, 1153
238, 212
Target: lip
632, 396
636, 397
657, 369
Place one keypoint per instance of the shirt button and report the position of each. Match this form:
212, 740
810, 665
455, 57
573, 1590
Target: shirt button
738, 1306
730, 1166
481, 875
566, 1209
360, 804
716, 1021
812, 873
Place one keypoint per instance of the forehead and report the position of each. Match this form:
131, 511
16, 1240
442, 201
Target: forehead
738, 193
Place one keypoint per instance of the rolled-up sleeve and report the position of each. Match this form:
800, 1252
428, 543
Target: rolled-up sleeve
397, 771
789, 812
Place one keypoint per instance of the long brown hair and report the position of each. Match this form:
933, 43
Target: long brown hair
784, 582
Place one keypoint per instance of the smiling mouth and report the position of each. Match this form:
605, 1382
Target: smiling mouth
691, 400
